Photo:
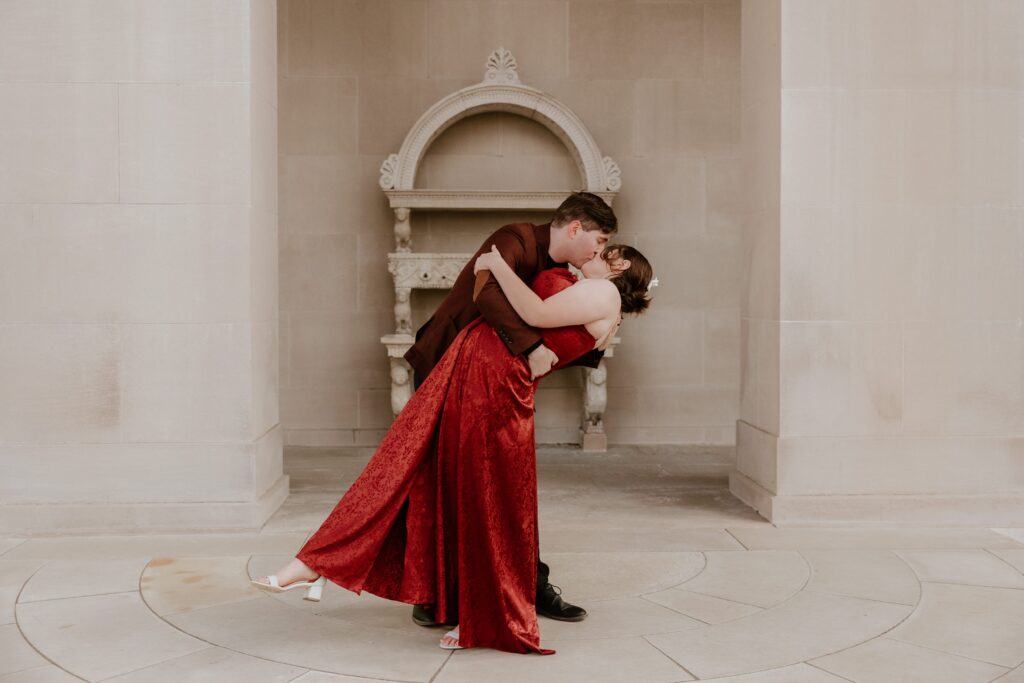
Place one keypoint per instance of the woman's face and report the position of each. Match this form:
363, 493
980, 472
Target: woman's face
597, 267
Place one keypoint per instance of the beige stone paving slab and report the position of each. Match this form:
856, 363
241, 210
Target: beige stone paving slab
213, 665
808, 625
7, 543
604, 575
269, 629
103, 635
365, 609
157, 545
758, 577
870, 574
617, 618
584, 661
971, 567
1015, 557
16, 654
321, 677
884, 538
883, 660
706, 608
1015, 534
40, 674
13, 575
76, 578
1014, 676
182, 584
302, 517
798, 673
569, 540
982, 623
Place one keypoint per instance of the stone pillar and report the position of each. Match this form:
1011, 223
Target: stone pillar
138, 293
882, 336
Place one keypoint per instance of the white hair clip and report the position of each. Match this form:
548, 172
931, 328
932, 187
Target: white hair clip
653, 284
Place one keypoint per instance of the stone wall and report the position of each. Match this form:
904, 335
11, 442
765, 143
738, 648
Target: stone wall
138, 292
884, 221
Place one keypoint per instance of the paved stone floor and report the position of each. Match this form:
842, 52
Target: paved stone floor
682, 583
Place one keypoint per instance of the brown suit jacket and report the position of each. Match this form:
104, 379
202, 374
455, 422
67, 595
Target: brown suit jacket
525, 247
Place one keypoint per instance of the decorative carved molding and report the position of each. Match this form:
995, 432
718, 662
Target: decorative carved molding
612, 175
501, 67
425, 271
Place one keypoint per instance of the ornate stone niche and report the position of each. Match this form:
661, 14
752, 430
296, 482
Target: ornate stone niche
500, 91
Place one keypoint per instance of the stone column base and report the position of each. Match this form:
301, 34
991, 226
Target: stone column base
916, 510
118, 518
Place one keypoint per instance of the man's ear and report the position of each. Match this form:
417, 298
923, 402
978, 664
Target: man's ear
574, 227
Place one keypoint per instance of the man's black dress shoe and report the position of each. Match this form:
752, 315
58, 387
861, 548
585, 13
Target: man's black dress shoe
423, 615
551, 605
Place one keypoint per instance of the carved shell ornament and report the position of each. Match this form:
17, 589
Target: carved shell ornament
501, 68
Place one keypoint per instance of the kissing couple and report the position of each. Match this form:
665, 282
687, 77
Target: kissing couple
444, 516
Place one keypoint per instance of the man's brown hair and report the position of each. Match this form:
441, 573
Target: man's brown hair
589, 209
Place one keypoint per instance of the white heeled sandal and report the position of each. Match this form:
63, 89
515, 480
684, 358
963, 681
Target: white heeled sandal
315, 589
454, 633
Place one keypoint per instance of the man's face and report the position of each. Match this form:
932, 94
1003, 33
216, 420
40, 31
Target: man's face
584, 245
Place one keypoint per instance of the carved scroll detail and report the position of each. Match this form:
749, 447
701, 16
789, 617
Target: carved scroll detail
387, 172
612, 174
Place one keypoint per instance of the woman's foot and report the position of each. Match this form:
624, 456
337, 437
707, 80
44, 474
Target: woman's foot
289, 574
450, 640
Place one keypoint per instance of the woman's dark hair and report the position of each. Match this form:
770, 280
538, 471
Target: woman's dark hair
589, 209
634, 282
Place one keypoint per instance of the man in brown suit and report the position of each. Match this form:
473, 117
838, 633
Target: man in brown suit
578, 231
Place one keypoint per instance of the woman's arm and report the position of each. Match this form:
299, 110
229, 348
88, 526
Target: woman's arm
585, 302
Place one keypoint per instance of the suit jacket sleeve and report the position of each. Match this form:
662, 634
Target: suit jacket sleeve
492, 302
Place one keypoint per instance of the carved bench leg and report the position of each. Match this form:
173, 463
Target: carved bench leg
403, 311
401, 384
595, 402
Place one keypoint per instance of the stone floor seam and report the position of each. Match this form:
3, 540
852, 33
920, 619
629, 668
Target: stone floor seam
441, 668
17, 601
672, 659
1003, 560
704, 557
831, 673
644, 597
976, 585
952, 654
742, 544
16, 545
67, 597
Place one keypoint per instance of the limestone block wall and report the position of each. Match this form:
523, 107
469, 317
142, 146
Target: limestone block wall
884, 350
138, 291
657, 84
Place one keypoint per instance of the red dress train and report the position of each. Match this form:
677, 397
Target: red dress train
445, 512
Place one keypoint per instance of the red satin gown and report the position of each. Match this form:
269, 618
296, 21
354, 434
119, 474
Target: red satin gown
445, 512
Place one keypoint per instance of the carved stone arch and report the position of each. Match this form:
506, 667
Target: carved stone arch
501, 92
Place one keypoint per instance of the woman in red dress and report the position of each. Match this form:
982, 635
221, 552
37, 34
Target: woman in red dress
445, 512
